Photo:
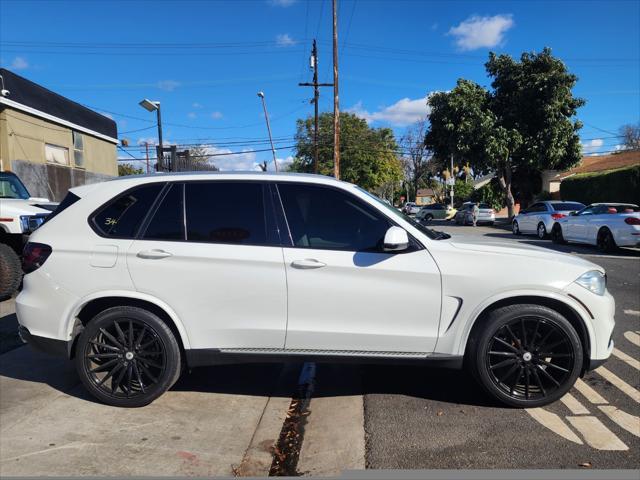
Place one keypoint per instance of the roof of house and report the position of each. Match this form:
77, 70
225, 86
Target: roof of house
425, 192
36, 100
600, 163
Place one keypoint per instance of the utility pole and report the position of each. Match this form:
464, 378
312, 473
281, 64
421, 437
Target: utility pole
146, 147
266, 117
336, 102
316, 96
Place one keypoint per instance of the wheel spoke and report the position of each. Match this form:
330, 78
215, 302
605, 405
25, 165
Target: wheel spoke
149, 374
554, 355
129, 372
553, 345
515, 381
150, 363
120, 332
508, 374
504, 363
526, 383
515, 339
506, 344
104, 345
539, 382
504, 354
546, 374
108, 375
136, 370
130, 343
524, 333
105, 366
140, 337
535, 334
112, 338
554, 366
102, 355
149, 343
115, 384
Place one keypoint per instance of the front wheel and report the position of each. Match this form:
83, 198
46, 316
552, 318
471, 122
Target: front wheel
127, 357
541, 231
515, 228
526, 355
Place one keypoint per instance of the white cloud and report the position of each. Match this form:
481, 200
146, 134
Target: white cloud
196, 105
284, 40
283, 164
192, 115
245, 160
592, 146
216, 115
478, 32
404, 112
19, 63
281, 3
168, 85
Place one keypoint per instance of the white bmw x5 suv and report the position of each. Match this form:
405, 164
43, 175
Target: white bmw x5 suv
140, 277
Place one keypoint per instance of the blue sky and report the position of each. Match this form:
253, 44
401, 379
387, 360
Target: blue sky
205, 60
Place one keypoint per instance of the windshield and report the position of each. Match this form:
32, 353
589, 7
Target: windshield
429, 232
12, 187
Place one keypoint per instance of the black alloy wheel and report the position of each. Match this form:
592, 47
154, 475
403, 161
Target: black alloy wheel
127, 357
605, 241
528, 356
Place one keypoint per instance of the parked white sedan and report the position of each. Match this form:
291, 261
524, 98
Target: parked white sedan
540, 217
607, 225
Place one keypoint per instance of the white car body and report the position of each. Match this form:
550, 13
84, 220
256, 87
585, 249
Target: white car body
464, 215
585, 225
411, 208
417, 304
540, 217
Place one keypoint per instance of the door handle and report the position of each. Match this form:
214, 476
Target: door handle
153, 254
307, 264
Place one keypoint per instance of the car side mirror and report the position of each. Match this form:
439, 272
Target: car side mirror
396, 240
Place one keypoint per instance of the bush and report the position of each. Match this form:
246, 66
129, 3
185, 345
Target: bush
490, 193
621, 185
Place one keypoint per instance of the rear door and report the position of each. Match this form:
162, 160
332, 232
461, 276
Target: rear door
345, 293
212, 254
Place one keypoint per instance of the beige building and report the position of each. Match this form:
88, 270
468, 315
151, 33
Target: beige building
51, 142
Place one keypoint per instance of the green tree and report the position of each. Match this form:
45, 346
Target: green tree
525, 123
128, 169
367, 155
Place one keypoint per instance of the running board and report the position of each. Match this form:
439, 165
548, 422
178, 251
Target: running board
224, 356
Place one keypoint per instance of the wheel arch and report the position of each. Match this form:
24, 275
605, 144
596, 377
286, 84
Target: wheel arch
563, 306
91, 306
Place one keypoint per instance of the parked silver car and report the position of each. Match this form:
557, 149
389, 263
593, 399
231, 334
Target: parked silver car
540, 217
464, 215
410, 208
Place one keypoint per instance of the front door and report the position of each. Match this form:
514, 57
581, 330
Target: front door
345, 293
211, 253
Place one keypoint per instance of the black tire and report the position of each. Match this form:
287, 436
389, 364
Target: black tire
146, 366
515, 228
541, 231
605, 241
428, 218
505, 355
10, 271
556, 235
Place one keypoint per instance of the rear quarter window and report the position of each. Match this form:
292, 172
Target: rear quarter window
122, 216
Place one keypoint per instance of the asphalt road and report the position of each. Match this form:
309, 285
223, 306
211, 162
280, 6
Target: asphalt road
427, 418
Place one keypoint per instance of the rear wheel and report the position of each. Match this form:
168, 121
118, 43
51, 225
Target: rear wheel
541, 231
10, 271
605, 241
515, 228
428, 218
127, 357
556, 235
526, 355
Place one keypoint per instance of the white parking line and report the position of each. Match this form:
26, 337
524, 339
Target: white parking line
632, 312
554, 423
574, 405
626, 358
633, 338
623, 386
596, 434
629, 422
589, 393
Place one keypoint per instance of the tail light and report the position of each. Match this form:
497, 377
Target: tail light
34, 255
632, 221
557, 216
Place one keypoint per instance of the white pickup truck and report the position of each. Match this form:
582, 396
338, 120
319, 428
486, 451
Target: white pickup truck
20, 214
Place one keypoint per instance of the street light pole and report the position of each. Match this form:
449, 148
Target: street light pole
266, 117
150, 106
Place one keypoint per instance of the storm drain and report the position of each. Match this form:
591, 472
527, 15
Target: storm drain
286, 452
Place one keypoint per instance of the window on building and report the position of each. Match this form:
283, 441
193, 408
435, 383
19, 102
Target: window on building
56, 154
78, 150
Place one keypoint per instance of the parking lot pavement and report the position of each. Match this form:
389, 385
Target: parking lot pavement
425, 418
215, 421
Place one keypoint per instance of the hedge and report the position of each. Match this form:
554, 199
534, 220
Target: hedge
621, 185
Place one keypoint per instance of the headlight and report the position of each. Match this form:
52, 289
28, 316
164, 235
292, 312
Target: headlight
594, 281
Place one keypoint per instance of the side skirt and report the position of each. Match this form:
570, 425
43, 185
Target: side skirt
213, 356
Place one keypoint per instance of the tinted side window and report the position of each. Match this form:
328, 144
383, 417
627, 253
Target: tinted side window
122, 216
226, 212
325, 218
168, 221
